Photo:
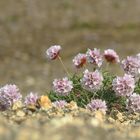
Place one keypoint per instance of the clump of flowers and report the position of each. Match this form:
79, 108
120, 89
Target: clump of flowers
62, 86
79, 60
9, 94
124, 86
53, 52
31, 99
111, 56
131, 65
59, 104
133, 103
97, 104
76, 90
94, 57
92, 81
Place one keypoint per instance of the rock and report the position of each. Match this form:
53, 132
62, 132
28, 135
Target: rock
20, 113
44, 102
72, 105
17, 105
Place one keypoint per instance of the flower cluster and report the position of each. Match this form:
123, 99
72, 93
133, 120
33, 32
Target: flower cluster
53, 52
92, 81
131, 65
97, 104
9, 94
94, 57
79, 60
133, 103
111, 56
79, 88
124, 86
62, 86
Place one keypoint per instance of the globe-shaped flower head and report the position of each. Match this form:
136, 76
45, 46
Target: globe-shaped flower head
133, 103
59, 103
79, 60
94, 57
111, 56
9, 94
92, 81
124, 86
131, 65
53, 52
62, 86
97, 104
31, 99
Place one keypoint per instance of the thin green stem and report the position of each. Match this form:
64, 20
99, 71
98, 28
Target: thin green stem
64, 66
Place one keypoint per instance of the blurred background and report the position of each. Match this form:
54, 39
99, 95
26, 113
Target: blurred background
29, 27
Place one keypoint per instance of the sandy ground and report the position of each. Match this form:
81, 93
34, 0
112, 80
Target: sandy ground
68, 124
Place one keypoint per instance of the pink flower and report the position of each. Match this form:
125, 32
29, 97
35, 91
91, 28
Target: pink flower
133, 103
79, 60
94, 57
53, 52
62, 86
31, 99
131, 65
124, 86
97, 104
111, 56
9, 94
92, 81
59, 103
